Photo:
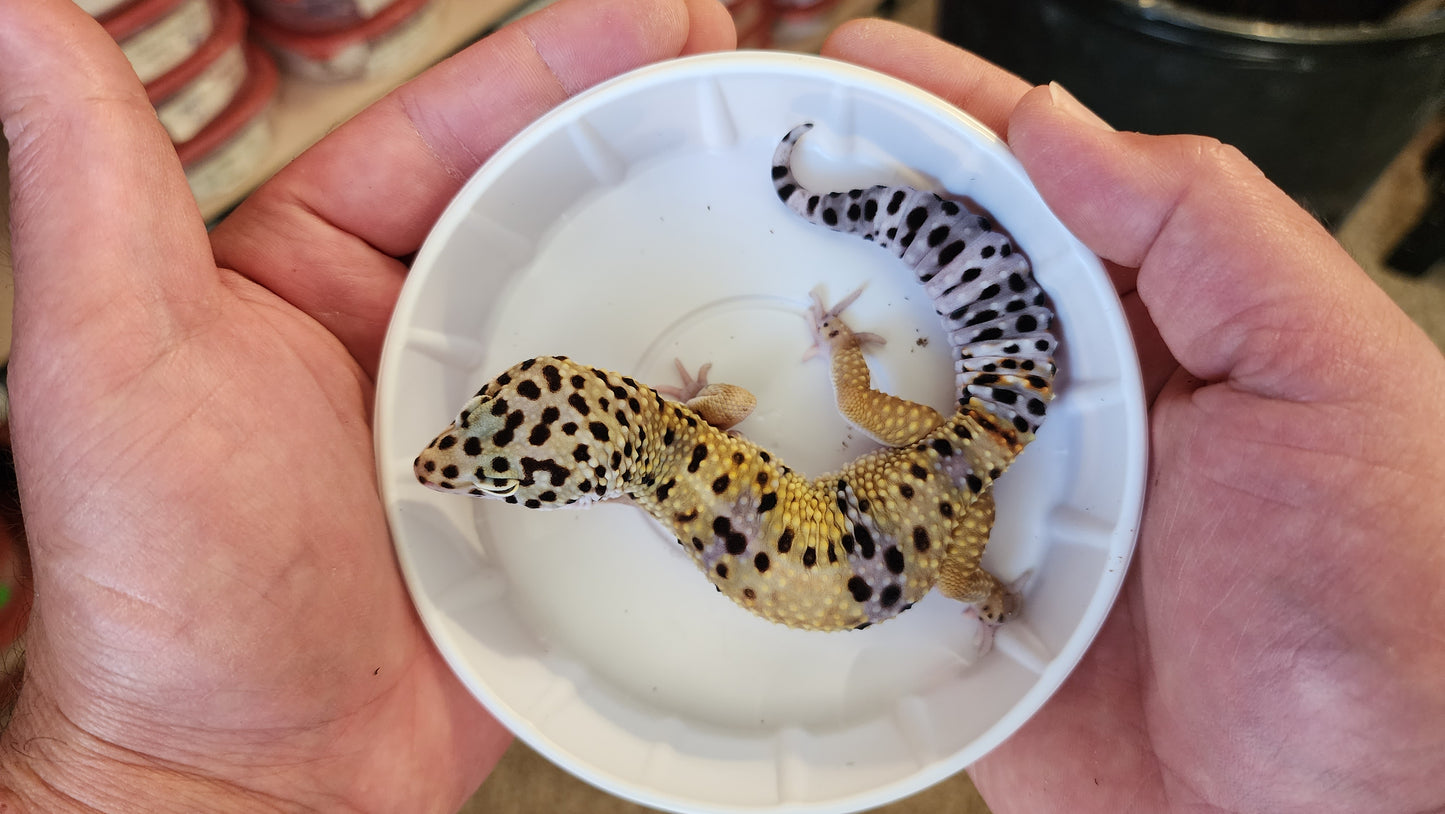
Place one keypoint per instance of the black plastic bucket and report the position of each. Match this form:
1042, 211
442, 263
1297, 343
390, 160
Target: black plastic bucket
1320, 108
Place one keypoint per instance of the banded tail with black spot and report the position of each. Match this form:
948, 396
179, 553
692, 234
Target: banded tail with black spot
997, 316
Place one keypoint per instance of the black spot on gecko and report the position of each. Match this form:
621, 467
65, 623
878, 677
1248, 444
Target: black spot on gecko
893, 558
579, 404
855, 212
810, 557
738, 458
918, 472
937, 236
500, 464
890, 596
866, 546
599, 430
668, 437
539, 435
849, 543
529, 389
722, 570
721, 526
1036, 407
555, 471
870, 209
946, 509
737, 543
570, 428
779, 172
720, 485
450, 472
761, 562
553, 377
581, 455
665, 489
896, 201
942, 447
688, 517
860, 589
975, 484
905, 490
699, 454
830, 217
785, 541
920, 539
472, 446
447, 442
768, 502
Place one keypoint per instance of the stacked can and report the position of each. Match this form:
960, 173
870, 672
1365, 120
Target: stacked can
211, 89
338, 40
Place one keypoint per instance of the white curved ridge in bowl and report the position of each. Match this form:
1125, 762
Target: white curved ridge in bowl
637, 223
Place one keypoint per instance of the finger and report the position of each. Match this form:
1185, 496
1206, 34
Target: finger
318, 234
1242, 283
1156, 364
85, 145
982, 89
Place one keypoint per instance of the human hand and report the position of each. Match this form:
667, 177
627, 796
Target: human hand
1277, 646
219, 623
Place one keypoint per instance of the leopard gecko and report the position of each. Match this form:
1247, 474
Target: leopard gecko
840, 551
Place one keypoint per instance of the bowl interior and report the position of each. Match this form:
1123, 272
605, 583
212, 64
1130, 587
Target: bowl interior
637, 224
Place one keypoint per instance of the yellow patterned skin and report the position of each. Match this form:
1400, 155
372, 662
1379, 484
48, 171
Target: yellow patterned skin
849, 548
844, 550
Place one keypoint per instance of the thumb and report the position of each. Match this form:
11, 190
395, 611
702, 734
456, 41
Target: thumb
106, 235
1242, 284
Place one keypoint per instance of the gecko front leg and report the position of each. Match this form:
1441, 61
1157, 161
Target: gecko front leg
885, 418
721, 405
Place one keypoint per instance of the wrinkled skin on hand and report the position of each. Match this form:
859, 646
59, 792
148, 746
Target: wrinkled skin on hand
1278, 644
219, 622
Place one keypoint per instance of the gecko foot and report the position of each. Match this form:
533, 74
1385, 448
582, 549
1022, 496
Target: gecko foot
998, 608
721, 405
828, 327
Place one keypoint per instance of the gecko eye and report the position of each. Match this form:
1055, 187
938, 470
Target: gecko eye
500, 487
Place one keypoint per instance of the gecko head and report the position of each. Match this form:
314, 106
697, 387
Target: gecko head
544, 434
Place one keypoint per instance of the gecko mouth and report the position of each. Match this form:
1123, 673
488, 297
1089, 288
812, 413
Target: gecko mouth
500, 487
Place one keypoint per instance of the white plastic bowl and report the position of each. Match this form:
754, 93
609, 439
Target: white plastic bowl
637, 223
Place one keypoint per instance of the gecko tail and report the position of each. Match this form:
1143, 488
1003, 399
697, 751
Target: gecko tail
998, 318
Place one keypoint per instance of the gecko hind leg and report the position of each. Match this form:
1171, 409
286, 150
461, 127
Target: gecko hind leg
961, 577
721, 405
885, 418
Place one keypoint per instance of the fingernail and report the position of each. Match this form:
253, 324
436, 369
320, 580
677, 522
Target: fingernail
1065, 101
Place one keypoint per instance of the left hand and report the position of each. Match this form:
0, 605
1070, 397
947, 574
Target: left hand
219, 623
